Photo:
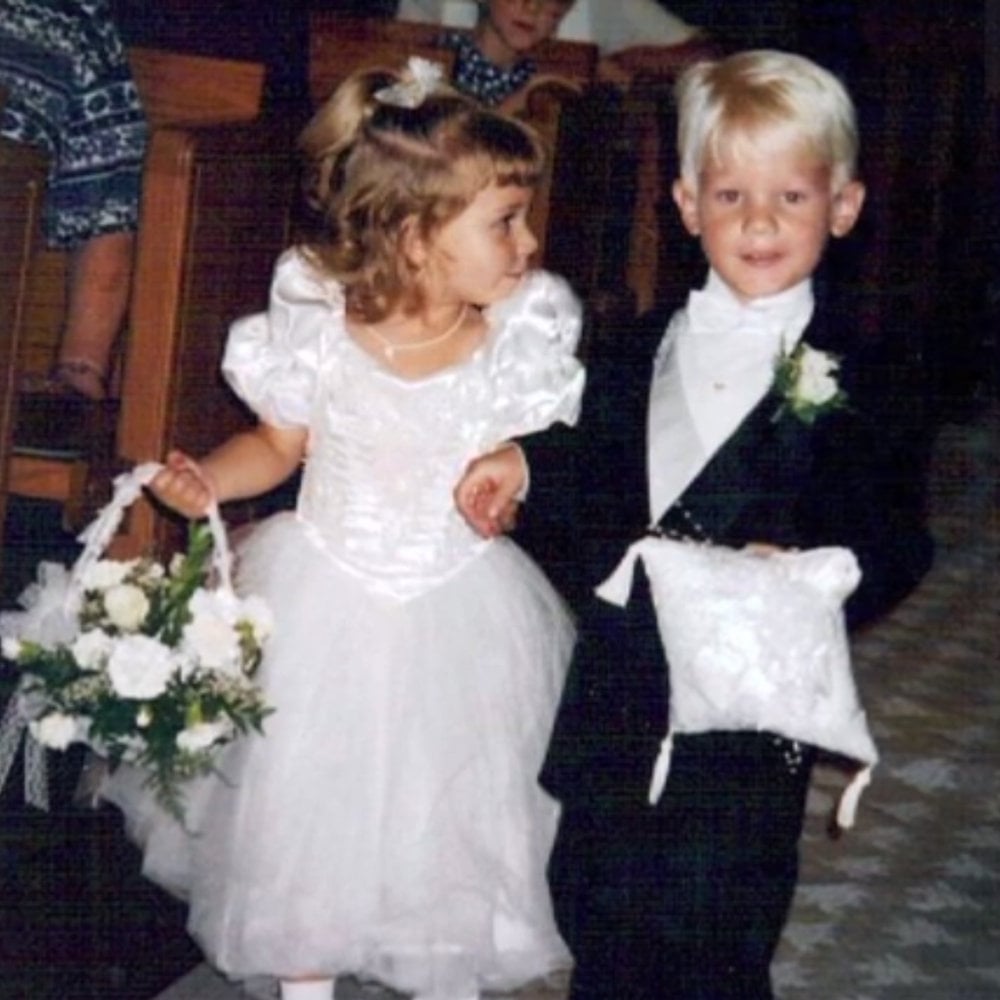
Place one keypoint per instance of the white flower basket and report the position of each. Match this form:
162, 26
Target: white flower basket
145, 663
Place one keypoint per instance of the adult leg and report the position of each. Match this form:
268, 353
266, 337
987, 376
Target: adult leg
99, 283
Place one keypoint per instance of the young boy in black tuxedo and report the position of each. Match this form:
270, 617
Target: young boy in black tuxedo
688, 432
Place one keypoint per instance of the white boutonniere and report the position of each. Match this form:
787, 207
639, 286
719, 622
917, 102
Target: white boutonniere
805, 380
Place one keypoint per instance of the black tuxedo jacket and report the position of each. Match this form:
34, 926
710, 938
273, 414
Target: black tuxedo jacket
774, 481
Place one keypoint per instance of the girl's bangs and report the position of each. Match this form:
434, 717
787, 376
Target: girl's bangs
480, 169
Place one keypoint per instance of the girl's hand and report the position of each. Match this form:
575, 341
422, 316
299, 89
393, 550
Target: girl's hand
487, 495
184, 486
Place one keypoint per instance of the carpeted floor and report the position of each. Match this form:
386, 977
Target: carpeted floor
905, 906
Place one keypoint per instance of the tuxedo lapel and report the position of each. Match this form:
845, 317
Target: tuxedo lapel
763, 456
673, 448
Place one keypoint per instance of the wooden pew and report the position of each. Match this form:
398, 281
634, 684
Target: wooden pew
217, 208
339, 43
217, 191
664, 260
22, 185
581, 213
184, 89
176, 89
918, 132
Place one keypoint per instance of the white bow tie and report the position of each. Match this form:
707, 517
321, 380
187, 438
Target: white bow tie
726, 334
715, 314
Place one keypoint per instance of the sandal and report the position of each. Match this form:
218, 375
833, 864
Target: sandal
78, 379
81, 376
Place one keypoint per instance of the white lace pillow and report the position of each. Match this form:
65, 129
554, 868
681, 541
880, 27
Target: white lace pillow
755, 641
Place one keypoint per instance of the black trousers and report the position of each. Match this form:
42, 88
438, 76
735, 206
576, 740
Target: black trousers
685, 900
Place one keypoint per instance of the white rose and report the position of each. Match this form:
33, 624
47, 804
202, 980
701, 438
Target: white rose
139, 667
815, 383
215, 603
92, 648
186, 664
10, 647
106, 573
56, 730
213, 643
126, 606
202, 735
257, 612
211, 637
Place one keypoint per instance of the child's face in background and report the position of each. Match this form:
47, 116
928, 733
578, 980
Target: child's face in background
765, 215
481, 255
509, 29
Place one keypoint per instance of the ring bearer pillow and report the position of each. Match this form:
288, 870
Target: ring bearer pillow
755, 640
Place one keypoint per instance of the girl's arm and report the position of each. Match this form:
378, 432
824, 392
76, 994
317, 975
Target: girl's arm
246, 465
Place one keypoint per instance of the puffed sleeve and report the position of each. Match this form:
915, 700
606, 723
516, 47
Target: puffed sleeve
272, 359
537, 376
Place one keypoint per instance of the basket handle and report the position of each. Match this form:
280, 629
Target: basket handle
127, 489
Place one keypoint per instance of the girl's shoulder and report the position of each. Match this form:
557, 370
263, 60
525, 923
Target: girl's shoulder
299, 275
543, 306
306, 303
304, 316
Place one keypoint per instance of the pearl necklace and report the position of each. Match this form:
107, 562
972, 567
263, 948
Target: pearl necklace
390, 350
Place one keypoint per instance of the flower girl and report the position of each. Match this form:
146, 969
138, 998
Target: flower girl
388, 824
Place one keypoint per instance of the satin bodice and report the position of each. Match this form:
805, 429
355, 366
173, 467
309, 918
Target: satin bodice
385, 452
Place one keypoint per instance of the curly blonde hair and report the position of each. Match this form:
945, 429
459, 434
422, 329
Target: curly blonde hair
374, 169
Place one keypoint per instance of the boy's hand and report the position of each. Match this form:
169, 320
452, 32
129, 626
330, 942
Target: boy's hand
487, 494
183, 486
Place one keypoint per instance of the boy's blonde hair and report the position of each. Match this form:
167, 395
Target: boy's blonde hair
377, 170
762, 99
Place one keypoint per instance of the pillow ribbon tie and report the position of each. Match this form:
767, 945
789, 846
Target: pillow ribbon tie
661, 768
617, 588
848, 806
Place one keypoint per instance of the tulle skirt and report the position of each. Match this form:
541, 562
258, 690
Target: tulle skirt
388, 823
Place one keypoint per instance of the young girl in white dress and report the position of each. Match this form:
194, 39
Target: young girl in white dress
388, 824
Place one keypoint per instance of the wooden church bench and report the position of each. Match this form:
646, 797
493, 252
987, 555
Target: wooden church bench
217, 189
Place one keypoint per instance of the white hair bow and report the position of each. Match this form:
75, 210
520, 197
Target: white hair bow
421, 78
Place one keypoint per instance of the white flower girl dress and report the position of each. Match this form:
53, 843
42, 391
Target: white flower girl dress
388, 824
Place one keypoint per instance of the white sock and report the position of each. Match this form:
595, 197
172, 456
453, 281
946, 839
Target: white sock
307, 989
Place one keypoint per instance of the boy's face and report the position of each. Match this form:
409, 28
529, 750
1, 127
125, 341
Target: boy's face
520, 25
764, 217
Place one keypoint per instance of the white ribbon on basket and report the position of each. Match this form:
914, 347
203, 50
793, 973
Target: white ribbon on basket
127, 488
95, 537
36, 775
